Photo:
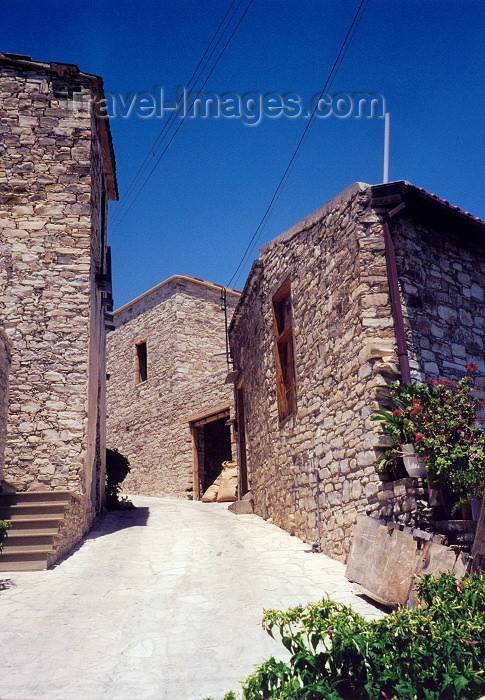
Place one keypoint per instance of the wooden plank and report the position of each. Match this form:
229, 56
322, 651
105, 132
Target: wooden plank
478, 549
206, 414
436, 558
384, 561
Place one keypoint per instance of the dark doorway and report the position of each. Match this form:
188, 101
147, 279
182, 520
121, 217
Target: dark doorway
212, 443
217, 449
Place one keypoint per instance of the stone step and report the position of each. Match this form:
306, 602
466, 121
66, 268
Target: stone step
33, 522
28, 538
451, 526
33, 508
33, 496
25, 560
35, 517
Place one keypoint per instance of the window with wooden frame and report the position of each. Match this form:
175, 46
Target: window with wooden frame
141, 366
285, 359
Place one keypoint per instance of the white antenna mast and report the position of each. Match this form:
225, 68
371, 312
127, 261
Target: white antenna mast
387, 124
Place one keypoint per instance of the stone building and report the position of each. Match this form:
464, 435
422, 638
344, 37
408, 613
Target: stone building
382, 282
57, 173
168, 405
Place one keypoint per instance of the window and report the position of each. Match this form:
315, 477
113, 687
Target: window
141, 373
285, 361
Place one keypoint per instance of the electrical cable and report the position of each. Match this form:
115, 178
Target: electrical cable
221, 53
152, 150
335, 67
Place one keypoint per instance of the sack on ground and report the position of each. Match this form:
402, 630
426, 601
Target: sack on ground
228, 485
210, 496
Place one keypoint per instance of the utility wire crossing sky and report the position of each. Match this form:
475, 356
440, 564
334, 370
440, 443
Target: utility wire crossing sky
199, 190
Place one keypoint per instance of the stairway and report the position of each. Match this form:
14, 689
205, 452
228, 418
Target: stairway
35, 518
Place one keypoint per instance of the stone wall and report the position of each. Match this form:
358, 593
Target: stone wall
53, 199
442, 276
344, 345
77, 521
182, 323
4, 372
344, 358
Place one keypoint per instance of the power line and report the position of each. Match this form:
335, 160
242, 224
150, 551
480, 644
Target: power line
154, 146
333, 72
151, 151
221, 53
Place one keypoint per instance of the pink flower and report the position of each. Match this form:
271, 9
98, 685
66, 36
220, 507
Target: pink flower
472, 367
473, 455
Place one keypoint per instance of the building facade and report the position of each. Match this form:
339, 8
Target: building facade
57, 174
382, 282
168, 405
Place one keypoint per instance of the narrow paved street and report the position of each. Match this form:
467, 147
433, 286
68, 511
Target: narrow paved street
160, 602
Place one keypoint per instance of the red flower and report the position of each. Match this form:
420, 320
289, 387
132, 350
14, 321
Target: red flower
419, 437
472, 367
459, 431
416, 400
441, 382
415, 410
397, 412
430, 381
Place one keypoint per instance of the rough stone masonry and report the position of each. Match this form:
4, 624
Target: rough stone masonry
312, 470
153, 411
57, 174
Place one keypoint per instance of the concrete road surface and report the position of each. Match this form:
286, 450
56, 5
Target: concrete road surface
160, 602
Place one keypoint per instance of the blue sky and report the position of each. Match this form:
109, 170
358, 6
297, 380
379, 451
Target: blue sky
204, 201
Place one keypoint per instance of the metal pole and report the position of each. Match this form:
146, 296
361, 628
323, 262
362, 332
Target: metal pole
224, 305
387, 120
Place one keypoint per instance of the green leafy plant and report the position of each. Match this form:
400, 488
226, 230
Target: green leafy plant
440, 418
434, 652
117, 468
4, 525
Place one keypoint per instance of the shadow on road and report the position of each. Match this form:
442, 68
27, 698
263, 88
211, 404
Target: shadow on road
6, 583
112, 522
119, 520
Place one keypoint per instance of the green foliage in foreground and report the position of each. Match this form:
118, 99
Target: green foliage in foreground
4, 525
435, 652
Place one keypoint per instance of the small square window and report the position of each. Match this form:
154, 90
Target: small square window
141, 366
285, 360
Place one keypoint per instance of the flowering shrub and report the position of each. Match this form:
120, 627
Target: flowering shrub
440, 418
434, 652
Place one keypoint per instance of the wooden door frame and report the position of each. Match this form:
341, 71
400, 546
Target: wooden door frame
196, 422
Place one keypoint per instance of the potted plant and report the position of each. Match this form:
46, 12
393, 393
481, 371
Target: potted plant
440, 420
399, 424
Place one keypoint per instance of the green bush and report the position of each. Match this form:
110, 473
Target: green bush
434, 652
117, 468
4, 525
